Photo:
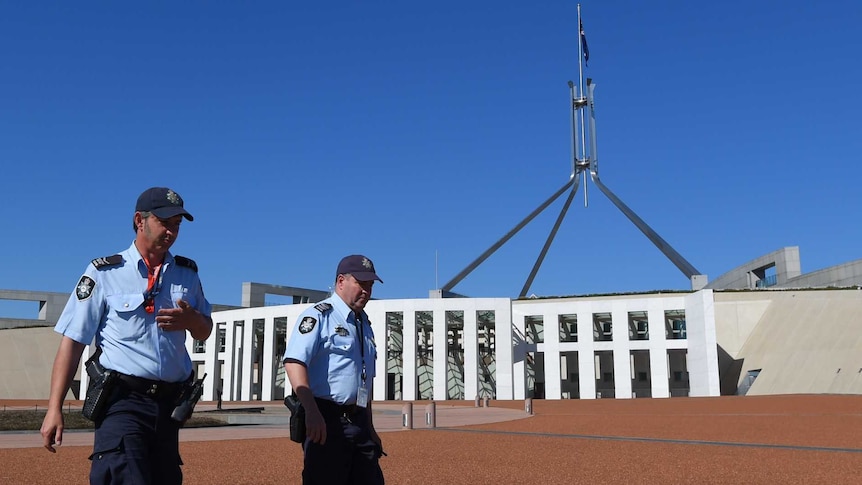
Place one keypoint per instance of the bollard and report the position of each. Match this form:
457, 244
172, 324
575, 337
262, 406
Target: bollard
431, 415
407, 415
528, 406
477, 401
487, 401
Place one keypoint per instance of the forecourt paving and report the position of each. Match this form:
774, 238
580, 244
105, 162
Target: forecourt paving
270, 420
804, 439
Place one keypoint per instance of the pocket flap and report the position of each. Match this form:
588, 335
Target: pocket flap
126, 302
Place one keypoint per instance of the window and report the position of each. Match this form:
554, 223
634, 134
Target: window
222, 338
674, 324
602, 327
568, 328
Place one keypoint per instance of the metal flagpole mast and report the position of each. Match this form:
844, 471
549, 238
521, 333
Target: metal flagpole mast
580, 101
584, 162
580, 160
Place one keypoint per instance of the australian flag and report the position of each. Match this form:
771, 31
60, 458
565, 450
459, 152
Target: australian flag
584, 45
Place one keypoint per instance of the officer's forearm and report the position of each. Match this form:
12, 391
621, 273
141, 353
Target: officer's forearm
297, 374
202, 326
65, 365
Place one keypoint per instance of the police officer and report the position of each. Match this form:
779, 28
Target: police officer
138, 305
330, 361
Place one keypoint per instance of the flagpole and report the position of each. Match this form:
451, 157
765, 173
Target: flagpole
582, 155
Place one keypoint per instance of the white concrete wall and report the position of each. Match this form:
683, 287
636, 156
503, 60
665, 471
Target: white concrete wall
805, 341
701, 349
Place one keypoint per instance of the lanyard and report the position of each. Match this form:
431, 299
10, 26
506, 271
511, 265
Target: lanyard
358, 320
154, 289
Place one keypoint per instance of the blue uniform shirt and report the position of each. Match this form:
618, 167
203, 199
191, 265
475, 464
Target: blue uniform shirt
328, 343
108, 304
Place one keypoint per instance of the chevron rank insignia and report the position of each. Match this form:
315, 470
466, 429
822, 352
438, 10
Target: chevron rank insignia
186, 262
307, 324
84, 289
106, 261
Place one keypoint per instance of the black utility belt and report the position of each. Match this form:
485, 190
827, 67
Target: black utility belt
331, 408
155, 389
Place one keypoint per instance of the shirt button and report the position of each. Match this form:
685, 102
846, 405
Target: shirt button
126, 305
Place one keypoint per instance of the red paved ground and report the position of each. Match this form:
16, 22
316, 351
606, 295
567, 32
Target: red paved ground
555, 447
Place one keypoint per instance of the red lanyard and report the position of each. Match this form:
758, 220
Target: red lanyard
154, 285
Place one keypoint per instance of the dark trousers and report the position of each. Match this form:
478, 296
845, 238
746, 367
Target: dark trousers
349, 456
137, 443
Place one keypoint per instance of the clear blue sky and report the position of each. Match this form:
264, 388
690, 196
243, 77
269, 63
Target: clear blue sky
419, 133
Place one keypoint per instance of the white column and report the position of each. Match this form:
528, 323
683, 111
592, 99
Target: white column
659, 383
440, 355
85, 378
471, 353
247, 355
553, 374
229, 391
211, 365
377, 315
504, 352
622, 353
702, 346
586, 353
408, 356
269, 363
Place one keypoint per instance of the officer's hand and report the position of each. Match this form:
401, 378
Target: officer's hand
52, 430
377, 443
315, 426
180, 318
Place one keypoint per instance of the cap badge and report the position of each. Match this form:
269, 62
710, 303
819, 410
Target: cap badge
173, 197
366, 263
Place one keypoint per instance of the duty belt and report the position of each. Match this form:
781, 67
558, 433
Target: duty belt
155, 389
330, 408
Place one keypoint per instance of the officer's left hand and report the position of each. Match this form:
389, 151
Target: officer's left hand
181, 318
378, 443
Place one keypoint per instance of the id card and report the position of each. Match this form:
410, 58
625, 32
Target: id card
362, 397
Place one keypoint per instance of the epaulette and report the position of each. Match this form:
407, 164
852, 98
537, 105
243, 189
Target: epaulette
188, 263
114, 260
323, 307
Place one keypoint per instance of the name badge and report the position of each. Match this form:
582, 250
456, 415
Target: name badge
362, 397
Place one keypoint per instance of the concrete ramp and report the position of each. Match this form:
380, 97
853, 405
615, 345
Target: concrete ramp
796, 341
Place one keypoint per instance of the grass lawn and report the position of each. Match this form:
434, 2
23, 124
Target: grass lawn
31, 420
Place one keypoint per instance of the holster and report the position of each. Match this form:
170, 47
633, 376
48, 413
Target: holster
191, 393
99, 390
297, 418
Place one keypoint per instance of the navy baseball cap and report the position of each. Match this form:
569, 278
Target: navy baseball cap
162, 202
359, 266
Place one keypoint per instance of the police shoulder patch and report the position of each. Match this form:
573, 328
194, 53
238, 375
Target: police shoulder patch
107, 261
307, 324
186, 262
323, 307
85, 287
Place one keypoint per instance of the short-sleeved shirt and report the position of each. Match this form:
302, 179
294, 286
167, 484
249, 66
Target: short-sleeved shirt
327, 341
108, 304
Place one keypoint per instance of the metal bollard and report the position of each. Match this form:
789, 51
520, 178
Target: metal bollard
431, 415
487, 401
477, 401
407, 415
528, 406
